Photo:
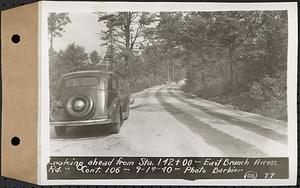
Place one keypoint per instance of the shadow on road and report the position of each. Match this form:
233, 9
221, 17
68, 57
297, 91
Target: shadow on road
85, 132
143, 94
215, 138
138, 106
281, 138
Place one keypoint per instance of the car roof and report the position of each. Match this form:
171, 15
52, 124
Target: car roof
88, 73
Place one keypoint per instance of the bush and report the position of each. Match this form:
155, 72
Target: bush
268, 98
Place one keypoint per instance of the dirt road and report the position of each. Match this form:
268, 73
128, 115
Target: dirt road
166, 122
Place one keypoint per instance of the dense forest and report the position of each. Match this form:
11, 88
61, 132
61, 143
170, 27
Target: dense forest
237, 58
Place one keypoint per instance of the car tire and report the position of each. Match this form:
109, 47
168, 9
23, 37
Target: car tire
60, 131
127, 113
115, 129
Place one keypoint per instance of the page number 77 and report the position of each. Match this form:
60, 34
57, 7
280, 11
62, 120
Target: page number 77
269, 175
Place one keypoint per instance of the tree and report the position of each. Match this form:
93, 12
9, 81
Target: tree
95, 57
109, 38
165, 37
125, 32
56, 23
234, 29
236, 55
210, 36
153, 64
73, 58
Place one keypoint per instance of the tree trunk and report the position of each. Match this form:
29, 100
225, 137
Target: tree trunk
236, 81
231, 68
245, 72
51, 41
173, 70
127, 72
111, 53
127, 43
203, 79
167, 70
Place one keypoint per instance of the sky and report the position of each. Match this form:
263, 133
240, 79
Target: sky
82, 31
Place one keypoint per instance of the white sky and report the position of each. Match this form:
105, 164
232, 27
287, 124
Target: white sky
82, 31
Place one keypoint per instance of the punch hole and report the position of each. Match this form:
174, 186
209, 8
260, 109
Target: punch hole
16, 38
15, 141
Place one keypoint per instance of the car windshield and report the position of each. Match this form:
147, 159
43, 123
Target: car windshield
85, 81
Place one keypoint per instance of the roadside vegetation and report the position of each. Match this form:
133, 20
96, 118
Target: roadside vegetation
238, 58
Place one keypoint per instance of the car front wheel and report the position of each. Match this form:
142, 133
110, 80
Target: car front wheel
60, 131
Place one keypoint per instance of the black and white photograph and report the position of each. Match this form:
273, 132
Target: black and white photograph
167, 83
186, 83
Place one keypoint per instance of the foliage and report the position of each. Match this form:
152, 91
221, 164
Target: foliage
73, 58
95, 57
230, 54
268, 96
56, 23
123, 35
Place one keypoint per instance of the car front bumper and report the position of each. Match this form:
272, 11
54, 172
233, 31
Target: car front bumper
81, 123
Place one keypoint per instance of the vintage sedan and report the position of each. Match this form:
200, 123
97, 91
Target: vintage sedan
90, 98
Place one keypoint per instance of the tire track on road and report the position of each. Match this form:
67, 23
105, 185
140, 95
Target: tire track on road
268, 133
225, 143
